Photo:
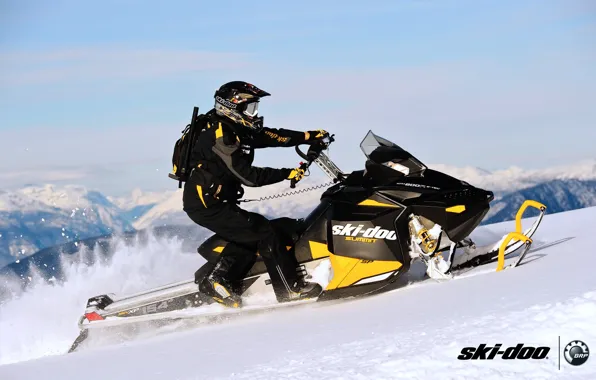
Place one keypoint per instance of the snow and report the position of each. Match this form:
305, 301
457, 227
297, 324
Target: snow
140, 198
161, 213
412, 332
30, 198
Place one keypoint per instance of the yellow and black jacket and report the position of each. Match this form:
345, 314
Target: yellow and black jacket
222, 160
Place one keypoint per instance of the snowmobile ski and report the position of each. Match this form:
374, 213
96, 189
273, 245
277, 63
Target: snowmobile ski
508, 244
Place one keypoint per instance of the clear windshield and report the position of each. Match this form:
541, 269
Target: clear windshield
372, 142
387, 153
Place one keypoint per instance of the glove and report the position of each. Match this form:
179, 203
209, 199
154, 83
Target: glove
316, 135
296, 175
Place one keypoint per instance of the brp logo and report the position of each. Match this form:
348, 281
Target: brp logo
576, 352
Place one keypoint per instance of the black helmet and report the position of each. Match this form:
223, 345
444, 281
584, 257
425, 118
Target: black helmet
239, 101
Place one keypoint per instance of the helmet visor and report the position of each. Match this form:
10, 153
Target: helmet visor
252, 109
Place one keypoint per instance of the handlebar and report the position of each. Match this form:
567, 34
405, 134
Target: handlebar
315, 149
312, 154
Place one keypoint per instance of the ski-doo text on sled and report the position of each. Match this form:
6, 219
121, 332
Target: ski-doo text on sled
370, 225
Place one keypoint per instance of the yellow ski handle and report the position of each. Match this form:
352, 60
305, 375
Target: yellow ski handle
510, 236
522, 209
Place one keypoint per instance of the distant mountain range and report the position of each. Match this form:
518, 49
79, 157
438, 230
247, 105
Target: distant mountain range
558, 195
34, 218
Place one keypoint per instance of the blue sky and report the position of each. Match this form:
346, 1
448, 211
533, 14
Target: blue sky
96, 93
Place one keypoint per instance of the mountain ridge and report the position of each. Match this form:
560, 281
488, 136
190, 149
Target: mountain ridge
36, 217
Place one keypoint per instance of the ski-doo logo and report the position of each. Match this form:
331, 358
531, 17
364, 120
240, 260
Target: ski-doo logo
370, 233
484, 352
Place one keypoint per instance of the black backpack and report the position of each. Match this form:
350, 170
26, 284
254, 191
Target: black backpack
183, 147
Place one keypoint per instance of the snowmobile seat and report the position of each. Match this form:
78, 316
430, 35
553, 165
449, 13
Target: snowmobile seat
290, 231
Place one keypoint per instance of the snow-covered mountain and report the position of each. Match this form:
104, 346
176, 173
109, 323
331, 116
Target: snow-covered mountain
516, 178
416, 332
139, 202
33, 218
558, 195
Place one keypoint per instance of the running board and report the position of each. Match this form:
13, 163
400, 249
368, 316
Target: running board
172, 301
114, 320
153, 295
147, 305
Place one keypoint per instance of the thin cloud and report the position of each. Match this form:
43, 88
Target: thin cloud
56, 174
10, 179
83, 65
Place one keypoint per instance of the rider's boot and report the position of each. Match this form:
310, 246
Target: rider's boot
217, 286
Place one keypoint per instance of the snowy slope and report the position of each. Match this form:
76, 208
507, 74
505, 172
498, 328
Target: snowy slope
33, 217
414, 332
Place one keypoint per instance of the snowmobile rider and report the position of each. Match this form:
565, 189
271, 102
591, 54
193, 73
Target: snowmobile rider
222, 159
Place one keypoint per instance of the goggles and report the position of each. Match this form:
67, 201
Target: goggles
251, 109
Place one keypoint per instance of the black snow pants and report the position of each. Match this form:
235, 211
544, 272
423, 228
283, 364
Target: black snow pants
249, 233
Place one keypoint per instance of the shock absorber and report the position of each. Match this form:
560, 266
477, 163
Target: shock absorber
426, 242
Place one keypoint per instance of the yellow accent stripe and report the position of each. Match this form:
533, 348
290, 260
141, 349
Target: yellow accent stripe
364, 270
347, 270
456, 209
200, 191
342, 266
218, 249
219, 132
318, 250
370, 202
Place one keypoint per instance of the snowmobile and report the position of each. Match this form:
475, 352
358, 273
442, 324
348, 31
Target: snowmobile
370, 225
